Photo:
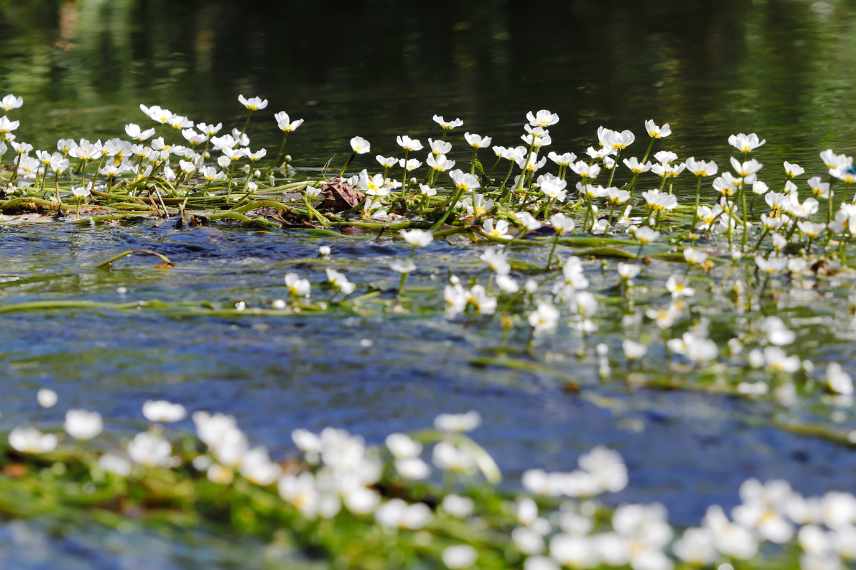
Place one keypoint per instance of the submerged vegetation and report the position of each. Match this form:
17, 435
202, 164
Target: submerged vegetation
596, 256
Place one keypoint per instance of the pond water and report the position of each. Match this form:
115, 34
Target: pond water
377, 69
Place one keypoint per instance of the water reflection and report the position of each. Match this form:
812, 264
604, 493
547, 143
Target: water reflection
376, 67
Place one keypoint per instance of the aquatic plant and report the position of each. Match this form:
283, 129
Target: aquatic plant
645, 289
427, 499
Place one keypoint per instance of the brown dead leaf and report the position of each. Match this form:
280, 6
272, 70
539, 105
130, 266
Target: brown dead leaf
339, 195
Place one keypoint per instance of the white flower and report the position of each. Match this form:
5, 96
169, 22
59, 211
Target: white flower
301, 492
701, 168
533, 164
339, 281
256, 466
695, 347
613, 140
526, 220
372, 185
507, 284
831, 160
450, 457
544, 318
668, 170
659, 201
460, 556
439, 162
447, 125
403, 266
455, 297
633, 350
574, 551
162, 411
694, 256
746, 169
844, 174
209, 130
253, 104
635, 166
256, 156
439, 147
585, 170
7, 126
477, 141
186, 167
778, 361
616, 197
696, 546
81, 191
645, 235
657, 132
818, 188
606, 468
542, 118
47, 398
285, 124
540, 563
386, 161
10, 103
361, 501
496, 260
297, 287
115, 464
412, 468
678, 287
360, 145
402, 446
746, 143
150, 449
771, 265
458, 422
552, 186
31, 440
497, 229
136, 133
81, 424
729, 538
838, 380
458, 506
561, 223
417, 238
793, 170
565, 159
408, 144
410, 164
763, 510
157, 114
464, 181
396, 513
211, 174
776, 331
179, 122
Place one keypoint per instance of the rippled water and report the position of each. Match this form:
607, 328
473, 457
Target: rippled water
783, 69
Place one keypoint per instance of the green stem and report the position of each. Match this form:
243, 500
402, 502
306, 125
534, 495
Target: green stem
697, 202
402, 281
347, 163
453, 201
648, 150
552, 251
